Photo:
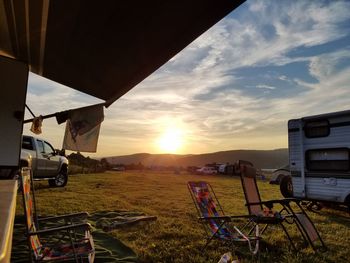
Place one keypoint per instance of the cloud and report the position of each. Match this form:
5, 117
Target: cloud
325, 65
283, 77
265, 87
46, 97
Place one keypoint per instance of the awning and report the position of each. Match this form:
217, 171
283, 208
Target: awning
103, 48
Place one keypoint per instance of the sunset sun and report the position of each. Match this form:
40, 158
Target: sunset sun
170, 141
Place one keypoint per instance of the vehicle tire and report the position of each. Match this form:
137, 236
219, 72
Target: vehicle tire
61, 179
280, 178
286, 187
347, 203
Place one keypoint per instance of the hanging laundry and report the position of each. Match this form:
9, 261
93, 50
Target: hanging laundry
83, 128
36, 125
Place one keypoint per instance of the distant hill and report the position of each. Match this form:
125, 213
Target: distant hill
260, 158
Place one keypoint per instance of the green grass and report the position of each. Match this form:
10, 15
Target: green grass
177, 236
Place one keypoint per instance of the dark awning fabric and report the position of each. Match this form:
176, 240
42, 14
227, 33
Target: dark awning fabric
103, 48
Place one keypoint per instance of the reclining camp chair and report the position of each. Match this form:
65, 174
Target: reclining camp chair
262, 213
66, 242
216, 223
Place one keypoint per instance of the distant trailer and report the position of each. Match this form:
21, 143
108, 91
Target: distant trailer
319, 157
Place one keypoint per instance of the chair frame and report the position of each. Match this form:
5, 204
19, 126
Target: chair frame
290, 217
68, 229
223, 219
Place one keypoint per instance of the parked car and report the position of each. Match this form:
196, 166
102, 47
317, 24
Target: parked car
45, 162
222, 168
118, 168
279, 174
283, 178
206, 170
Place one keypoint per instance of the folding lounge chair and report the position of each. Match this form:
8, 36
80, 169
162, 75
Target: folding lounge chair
67, 242
262, 212
216, 223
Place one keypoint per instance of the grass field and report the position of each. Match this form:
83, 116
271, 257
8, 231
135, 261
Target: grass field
177, 236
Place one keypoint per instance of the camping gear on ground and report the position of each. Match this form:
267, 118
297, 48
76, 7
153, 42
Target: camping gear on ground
261, 211
70, 241
110, 220
216, 224
228, 258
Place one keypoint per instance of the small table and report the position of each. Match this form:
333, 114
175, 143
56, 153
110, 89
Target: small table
8, 194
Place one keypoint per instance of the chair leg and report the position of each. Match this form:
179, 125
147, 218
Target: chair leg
288, 236
206, 244
264, 228
211, 238
261, 232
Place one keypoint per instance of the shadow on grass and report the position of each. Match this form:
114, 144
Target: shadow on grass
337, 216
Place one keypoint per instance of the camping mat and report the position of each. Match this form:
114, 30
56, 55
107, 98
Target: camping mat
109, 220
108, 248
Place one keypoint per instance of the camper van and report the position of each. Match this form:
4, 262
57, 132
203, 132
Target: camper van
319, 157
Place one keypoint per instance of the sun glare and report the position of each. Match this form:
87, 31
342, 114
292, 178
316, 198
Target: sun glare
171, 141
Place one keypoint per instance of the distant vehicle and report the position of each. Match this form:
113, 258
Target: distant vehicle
206, 170
319, 157
222, 168
118, 168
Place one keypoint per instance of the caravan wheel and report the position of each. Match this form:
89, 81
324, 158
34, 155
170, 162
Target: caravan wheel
286, 187
347, 203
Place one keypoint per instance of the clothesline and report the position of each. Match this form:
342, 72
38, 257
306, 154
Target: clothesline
60, 116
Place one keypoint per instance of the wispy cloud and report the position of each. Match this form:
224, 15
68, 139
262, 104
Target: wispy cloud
265, 87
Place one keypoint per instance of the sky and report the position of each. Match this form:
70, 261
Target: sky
234, 87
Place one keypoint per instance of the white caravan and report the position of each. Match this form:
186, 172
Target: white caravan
319, 150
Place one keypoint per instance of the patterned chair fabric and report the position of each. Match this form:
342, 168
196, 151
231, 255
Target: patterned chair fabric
216, 223
42, 252
29, 208
80, 248
208, 208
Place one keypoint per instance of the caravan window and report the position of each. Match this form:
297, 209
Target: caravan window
328, 159
315, 129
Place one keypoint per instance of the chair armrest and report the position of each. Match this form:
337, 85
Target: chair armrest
83, 215
62, 228
242, 216
225, 218
269, 204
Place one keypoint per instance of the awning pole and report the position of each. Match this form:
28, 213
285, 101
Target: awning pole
30, 111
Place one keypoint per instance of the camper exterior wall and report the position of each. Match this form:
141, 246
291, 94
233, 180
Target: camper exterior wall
329, 184
320, 189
